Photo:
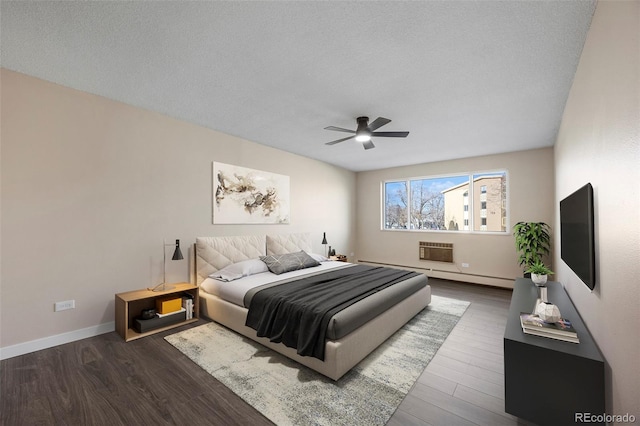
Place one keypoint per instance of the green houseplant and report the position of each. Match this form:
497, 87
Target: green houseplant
539, 272
539, 268
532, 242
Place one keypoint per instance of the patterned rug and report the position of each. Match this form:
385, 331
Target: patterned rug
288, 393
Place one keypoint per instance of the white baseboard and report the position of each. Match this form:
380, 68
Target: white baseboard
58, 339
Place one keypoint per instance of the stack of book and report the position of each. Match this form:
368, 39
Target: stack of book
187, 305
561, 330
179, 311
160, 320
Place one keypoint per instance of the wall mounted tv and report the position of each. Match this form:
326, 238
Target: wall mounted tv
577, 241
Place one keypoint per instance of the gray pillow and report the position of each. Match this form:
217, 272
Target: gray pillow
279, 263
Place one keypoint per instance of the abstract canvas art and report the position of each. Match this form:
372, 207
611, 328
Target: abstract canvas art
243, 195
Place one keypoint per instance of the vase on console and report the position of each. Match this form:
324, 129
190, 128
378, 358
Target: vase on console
539, 280
539, 272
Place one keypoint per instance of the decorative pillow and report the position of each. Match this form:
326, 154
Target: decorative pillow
318, 257
279, 263
239, 270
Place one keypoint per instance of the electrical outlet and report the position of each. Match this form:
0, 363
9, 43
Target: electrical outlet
465, 265
63, 306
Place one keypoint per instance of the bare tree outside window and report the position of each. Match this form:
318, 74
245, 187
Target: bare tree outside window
396, 201
427, 205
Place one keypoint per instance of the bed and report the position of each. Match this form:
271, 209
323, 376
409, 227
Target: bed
352, 333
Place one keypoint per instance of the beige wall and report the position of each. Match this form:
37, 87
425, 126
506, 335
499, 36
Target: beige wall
91, 187
492, 258
599, 142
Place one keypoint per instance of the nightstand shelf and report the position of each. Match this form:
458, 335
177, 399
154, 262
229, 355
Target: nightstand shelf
130, 304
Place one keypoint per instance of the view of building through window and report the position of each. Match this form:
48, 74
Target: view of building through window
452, 203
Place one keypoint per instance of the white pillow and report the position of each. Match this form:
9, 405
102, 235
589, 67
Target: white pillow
318, 257
239, 270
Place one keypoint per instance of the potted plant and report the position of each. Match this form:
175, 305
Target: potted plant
539, 273
532, 242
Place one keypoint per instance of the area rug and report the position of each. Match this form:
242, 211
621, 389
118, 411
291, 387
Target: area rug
288, 393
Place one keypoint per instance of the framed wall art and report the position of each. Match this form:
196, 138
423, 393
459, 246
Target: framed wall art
243, 196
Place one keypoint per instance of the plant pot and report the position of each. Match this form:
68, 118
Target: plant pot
539, 280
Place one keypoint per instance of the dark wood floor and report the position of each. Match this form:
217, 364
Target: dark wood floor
464, 382
105, 381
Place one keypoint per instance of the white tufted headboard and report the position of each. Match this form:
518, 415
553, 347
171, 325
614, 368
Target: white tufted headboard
214, 253
288, 243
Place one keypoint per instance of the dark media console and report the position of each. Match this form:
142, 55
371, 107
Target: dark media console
548, 381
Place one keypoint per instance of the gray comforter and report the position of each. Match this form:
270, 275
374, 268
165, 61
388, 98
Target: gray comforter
297, 313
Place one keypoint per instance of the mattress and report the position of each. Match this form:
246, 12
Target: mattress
240, 292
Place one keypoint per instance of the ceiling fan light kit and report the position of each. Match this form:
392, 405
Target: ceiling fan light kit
365, 131
362, 133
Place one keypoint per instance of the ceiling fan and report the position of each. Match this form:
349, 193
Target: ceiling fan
365, 131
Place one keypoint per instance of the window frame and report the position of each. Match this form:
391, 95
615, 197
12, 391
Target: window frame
471, 175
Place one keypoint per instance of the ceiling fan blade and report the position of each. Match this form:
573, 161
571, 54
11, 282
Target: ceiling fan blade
339, 129
390, 134
368, 145
339, 140
377, 123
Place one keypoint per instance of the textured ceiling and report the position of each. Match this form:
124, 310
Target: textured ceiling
465, 78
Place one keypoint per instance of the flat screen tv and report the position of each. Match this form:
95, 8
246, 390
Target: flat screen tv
577, 243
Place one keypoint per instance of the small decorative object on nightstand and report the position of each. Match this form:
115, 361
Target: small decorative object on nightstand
339, 257
148, 314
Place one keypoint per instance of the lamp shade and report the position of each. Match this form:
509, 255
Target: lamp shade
324, 238
177, 253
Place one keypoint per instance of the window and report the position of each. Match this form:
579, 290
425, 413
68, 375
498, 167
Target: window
427, 204
474, 202
395, 205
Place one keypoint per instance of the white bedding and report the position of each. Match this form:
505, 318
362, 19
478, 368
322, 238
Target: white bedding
234, 291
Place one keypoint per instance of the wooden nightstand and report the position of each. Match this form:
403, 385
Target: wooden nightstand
339, 257
130, 304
